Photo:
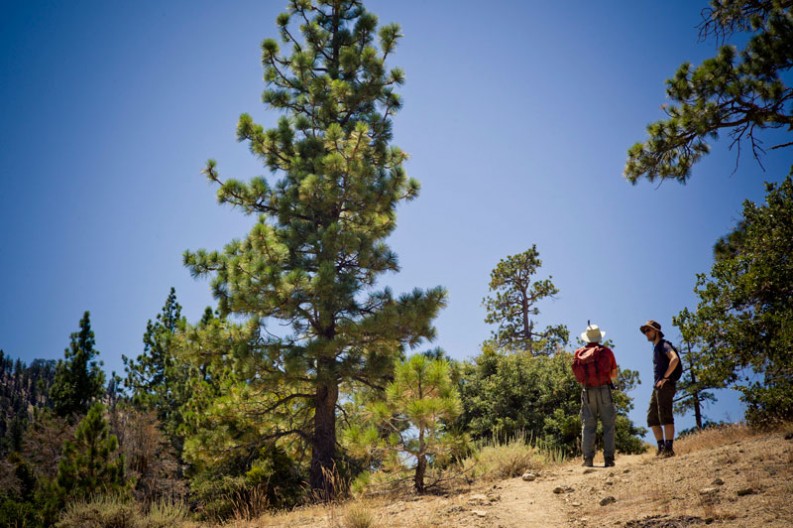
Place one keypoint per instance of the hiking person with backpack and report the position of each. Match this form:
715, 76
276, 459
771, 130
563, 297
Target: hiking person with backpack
595, 368
667, 369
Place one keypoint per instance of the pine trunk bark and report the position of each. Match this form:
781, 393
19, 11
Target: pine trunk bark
421, 465
697, 405
323, 456
695, 395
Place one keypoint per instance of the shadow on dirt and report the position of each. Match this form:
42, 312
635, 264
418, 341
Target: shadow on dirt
664, 521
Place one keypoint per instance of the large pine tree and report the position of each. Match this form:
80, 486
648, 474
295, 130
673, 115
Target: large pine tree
313, 258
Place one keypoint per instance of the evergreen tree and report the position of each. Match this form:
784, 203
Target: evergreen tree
744, 315
740, 92
513, 304
237, 424
79, 379
692, 389
153, 378
313, 258
413, 419
91, 463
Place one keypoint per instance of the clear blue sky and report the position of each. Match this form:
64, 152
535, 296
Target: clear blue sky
517, 119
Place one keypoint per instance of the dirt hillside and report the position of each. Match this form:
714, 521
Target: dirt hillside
725, 478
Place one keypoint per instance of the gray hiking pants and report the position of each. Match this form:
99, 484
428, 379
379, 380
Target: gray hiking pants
596, 403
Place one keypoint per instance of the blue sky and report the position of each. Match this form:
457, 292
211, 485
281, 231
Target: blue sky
517, 120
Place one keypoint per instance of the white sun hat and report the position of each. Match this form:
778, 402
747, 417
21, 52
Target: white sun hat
593, 334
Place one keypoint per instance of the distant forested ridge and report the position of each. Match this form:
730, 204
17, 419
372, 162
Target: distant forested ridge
22, 388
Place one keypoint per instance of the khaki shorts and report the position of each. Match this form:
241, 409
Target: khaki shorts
660, 410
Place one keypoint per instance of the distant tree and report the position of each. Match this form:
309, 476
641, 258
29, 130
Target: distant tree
312, 260
91, 463
692, 389
42, 375
744, 315
412, 422
513, 304
156, 377
79, 380
742, 92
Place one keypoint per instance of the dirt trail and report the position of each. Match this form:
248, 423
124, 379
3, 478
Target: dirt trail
553, 500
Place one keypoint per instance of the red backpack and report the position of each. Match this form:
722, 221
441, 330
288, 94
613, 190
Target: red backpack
592, 366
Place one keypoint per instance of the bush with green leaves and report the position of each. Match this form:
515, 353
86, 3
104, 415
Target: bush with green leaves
249, 485
17, 512
508, 395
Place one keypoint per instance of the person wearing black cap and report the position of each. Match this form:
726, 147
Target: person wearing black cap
659, 415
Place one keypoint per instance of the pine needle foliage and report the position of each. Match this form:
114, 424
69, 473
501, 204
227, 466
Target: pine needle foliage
412, 422
512, 305
91, 463
744, 316
742, 92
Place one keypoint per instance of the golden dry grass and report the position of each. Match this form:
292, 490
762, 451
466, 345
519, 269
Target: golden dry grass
502, 461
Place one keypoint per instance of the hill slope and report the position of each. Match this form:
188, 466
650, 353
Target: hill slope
727, 477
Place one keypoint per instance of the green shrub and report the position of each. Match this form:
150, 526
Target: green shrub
769, 406
273, 480
17, 513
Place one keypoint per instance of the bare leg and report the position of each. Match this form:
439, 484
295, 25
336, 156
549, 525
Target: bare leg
669, 432
659, 433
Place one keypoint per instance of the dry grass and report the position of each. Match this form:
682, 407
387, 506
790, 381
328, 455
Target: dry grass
358, 515
250, 505
116, 512
502, 461
712, 438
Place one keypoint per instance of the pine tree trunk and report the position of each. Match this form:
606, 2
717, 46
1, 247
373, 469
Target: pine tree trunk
695, 396
526, 324
697, 410
421, 465
323, 456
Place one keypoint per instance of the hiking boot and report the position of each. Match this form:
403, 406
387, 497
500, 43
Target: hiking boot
609, 462
588, 462
659, 452
667, 453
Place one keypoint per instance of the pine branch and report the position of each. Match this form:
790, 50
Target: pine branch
286, 399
